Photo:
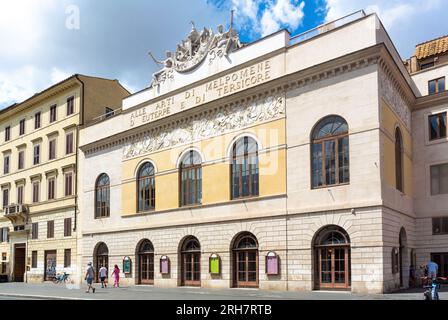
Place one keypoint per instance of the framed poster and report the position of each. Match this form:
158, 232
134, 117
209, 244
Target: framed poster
127, 265
272, 263
164, 265
215, 264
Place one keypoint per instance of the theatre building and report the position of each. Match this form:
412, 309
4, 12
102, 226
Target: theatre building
313, 162
38, 178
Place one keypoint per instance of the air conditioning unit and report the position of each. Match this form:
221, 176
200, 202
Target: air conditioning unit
15, 209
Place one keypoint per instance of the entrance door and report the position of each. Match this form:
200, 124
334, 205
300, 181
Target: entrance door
146, 268
19, 262
102, 261
50, 265
246, 268
333, 267
191, 269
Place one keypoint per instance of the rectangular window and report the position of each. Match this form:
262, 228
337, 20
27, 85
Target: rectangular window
36, 154
37, 120
52, 149
70, 105
440, 225
68, 227
67, 258
53, 117
436, 85
439, 179
22, 127
36, 187
7, 133
50, 229
69, 143
20, 195
5, 197
35, 231
21, 163
34, 259
6, 164
4, 237
51, 188
437, 126
442, 261
68, 184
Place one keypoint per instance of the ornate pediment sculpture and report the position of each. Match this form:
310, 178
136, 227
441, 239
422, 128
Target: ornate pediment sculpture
192, 51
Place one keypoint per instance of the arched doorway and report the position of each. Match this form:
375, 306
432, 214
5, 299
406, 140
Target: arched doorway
402, 254
190, 262
101, 256
245, 261
145, 263
332, 258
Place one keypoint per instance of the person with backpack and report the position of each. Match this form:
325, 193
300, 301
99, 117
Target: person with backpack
90, 274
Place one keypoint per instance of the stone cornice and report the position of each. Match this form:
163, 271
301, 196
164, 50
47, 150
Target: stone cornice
431, 100
336, 67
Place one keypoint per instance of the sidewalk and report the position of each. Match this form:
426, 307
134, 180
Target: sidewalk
51, 291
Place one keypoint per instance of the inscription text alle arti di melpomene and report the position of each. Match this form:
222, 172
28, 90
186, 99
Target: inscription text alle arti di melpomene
221, 87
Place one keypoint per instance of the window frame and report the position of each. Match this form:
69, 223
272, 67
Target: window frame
196, 169
70, 105
51, 188
68, 185
399, 160
7, 133
37, 120
52, 155
437, 165
5, 203
67, 227
53, 113
20, 194
34, 259
35, 231
246, 157
22, 127
7, 164
436, 85
35, 195
50, 229
67, 258
36, 156
101, 211
152, 191
69, 141
21, 160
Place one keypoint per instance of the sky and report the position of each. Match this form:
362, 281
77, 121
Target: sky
45, 41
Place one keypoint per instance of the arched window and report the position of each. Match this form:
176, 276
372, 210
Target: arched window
146, 190
191, 179
245, 168
330, 152
102, 197
398, 160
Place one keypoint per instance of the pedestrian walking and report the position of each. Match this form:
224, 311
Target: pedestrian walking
116, 274
103, 276
89, 277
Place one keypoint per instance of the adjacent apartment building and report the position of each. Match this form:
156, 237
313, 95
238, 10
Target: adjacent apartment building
38, 179
314, 162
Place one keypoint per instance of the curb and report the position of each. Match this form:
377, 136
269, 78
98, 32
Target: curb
18, 295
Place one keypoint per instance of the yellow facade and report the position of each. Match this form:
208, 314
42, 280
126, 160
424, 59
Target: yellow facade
215, 168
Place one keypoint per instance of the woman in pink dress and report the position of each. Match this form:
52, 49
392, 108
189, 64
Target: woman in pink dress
116, 274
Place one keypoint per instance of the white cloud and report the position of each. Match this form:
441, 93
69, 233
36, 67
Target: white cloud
408, 22
58, 75
267, 16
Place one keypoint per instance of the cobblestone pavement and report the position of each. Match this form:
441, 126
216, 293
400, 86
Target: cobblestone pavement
52, 291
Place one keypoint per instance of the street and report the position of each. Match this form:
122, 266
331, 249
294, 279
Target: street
50, 291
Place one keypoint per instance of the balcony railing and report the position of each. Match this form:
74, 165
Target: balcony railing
17, 213
326, 27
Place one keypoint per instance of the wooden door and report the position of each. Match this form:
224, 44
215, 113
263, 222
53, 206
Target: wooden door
246, 268
191, 269
19, 262
333, 267
50, 265
146, 268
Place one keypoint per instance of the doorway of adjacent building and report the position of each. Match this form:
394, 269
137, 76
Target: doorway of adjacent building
19, 262
50, 265
146, 263
191, 262
101, 256
245, 261
401, 254
332, 259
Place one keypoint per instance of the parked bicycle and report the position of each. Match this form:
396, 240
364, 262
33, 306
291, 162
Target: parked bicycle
61, 278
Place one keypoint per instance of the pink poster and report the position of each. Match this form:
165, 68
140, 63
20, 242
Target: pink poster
272, 265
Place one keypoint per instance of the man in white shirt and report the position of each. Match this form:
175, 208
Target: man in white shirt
103, 276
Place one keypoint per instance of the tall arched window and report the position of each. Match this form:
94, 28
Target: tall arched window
146, 190
245, 168
398, 160
102, 197
330, 152
190, 179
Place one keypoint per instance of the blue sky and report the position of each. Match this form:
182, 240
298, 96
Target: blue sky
42, 41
